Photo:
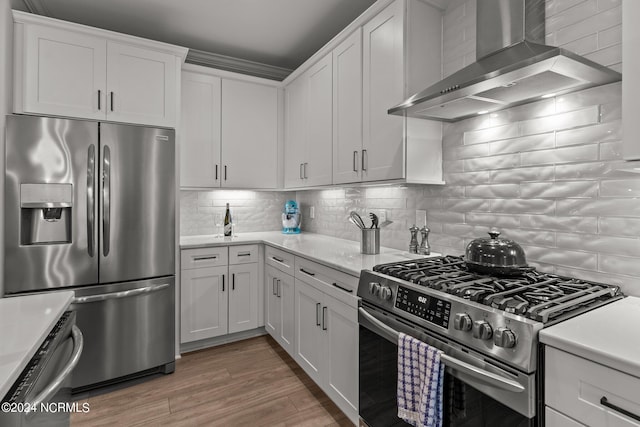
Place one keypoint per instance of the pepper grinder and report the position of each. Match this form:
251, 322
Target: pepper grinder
413, 244
424, 249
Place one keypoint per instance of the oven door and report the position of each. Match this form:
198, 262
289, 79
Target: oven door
478, 391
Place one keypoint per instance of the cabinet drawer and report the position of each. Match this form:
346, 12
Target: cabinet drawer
243, 254
576, 386
283, 261
203, 257
556, 419
332, 282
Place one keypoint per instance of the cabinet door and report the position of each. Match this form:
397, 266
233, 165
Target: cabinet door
295, 139
200, 131
317, 168
243, 297
383, 88
272, 320
249, 135
347, 109
141, 85
341, 373
285, 292
64, 73
309, 337
203, 303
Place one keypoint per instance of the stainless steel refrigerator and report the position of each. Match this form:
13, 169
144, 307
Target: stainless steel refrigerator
90, 207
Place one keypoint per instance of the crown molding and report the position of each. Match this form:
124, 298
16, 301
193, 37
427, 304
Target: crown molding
236, 65
37, 7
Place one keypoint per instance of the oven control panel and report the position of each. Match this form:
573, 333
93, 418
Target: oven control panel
426, 307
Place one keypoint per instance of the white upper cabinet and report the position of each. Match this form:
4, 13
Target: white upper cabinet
141, 85
230, 130
65, 73
630, 81
70, 70
401, 55
347, 109
309, 117
249, 135
200, 130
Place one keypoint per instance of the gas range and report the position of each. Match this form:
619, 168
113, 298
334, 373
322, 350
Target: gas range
496, 316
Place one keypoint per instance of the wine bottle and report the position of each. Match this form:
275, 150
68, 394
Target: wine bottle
227, 222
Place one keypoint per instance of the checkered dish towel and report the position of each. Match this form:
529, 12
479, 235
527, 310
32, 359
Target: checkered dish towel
420, 382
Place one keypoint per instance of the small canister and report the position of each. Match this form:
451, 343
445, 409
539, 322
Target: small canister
370, 243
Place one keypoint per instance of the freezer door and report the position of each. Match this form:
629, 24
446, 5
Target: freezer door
137, 209
50, 205
128, 328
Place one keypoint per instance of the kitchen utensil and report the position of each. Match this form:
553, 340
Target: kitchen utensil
496, 256
374, 220
384, 224
354, 222
424, 248
413, 244
357, 219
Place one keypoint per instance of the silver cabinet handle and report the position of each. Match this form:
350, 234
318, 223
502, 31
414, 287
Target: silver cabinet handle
91, 220
46, 394
301, 177
365, 160
273, 286
479, 374
121, 294
324, 318
277, 259
99, 99
305, 170
355, 161
233, 281
223, 283
244, 253
604, 401
216, 172
318, 314
278, 288
106, 200
203, 258
111, 100
225, 172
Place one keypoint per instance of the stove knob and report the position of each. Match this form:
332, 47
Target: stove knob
374, 288
385, 292
462, 322
504, 337
482, 330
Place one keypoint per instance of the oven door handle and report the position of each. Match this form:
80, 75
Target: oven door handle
46, 394
479, 374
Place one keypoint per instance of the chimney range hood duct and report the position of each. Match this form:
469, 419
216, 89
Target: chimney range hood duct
512, 67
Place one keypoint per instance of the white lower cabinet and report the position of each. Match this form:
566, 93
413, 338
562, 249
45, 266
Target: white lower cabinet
219, 292
326, 344
589, 393
280, 305
203, 305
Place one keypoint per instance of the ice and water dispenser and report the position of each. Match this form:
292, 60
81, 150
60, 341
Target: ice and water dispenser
45, 211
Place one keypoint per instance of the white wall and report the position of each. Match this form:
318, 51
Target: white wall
6, 72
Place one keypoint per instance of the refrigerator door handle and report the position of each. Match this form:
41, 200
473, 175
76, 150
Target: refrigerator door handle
122, 294
106, 200
91, 220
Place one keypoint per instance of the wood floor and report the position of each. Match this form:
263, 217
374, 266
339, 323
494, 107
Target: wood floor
247, 383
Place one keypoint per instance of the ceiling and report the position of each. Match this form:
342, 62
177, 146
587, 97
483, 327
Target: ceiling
280, 33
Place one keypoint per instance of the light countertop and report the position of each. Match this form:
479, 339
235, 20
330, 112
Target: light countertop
608, 335
339, 254
26, 321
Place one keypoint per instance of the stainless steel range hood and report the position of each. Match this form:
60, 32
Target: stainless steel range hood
512, 67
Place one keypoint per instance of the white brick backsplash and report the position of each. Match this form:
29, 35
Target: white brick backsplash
598, 243
599, 207
491, 134
536, 173
493, 191
523, 206
492, 219
621, 188
619, 264
572, 119
561, 155
559, 189
526, 143
560, 223
576, 259
493, 162
612, 226
590, 134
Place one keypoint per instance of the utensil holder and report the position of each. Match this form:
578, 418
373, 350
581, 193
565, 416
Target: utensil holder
370, 242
